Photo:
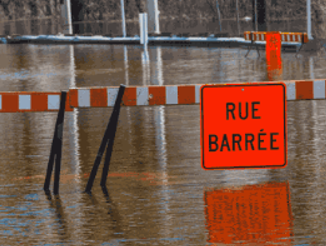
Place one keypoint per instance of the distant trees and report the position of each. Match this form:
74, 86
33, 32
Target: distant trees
193, 9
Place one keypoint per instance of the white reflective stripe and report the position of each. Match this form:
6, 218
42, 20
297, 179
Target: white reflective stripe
262, 37
0, 102
172, 94
257, 36
53, 101
197, 93
84, 99
319, 89
293, 37
142, 95
282, 37
112, 96
24, 101
291, 94
299, 38
247, 35
288, 38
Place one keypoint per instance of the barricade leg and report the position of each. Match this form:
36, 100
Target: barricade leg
248, 51
56, 148
257, 50
114, 119
253, 44
109, 133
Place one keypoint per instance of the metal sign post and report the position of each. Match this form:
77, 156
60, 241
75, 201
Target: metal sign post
309, 19
66, 15
123, 18
153, 16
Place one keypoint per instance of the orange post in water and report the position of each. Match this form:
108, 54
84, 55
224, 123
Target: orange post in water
273, 55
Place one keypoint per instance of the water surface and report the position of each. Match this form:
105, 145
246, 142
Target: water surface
158, 194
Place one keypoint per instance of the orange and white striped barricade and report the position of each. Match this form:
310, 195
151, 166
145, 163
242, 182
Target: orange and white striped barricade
89, 97
296, 37
135, 95
25, 101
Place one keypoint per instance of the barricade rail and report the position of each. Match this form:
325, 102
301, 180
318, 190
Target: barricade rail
25, 101
177, 94
88, 97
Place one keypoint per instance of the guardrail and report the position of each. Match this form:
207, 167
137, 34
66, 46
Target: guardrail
24, 101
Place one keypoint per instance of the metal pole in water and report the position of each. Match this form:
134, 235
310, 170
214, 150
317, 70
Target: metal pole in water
219, 15
157, 19
56, 148
153, 16
237, 10
66, 15
69, 16
107, 137
309, 19
143, 27
123, 18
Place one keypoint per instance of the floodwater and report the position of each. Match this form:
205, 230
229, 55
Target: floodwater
158, 194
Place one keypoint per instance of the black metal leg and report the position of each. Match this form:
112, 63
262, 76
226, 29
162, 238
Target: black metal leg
50, 166
296, 55
257, 51
105, 139
248, 51
56, 148
115, 117
57, 170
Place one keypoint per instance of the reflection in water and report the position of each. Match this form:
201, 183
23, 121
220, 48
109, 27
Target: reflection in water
39, 68
255, 215
145, 66
311, 66
56, 203
157, 66
160, 138
73, 127
125, 52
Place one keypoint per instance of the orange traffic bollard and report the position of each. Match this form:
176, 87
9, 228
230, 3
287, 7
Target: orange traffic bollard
273, 55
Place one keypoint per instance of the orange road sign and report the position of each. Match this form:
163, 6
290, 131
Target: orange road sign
243, 126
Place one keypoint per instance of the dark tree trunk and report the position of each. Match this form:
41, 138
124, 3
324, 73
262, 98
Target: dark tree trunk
261, 14
77, 15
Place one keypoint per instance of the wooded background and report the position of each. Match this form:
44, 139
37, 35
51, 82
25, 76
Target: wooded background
90, 10
104, 16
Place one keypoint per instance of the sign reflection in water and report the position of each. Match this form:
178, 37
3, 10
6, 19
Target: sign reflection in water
254, 214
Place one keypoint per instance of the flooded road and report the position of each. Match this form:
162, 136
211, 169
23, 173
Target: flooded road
158, 194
